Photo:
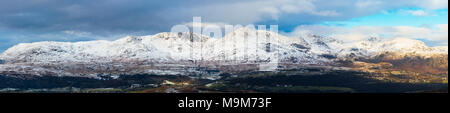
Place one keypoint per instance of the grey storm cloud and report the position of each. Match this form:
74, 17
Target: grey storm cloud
86, 15
121, 16
109, 16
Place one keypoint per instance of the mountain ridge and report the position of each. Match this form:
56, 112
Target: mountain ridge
142, 54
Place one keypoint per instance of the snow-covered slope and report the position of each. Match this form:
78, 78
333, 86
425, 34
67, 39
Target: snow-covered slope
126, 48
245, 46
241, 45
398, 46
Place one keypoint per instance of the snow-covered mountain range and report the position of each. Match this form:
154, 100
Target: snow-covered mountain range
243, 46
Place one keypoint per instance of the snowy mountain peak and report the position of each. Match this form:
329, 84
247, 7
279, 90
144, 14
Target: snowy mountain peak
143, 54
399, 46
187, 36
402, 43
242, 44
130, 39
442, 49
374, 39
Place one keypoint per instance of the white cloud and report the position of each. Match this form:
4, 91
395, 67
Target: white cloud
418, 13
77, 33
437, 33
205, 24
443, 27
441, 33
431, 4
259, 10
297, 7
367, 3
307, 11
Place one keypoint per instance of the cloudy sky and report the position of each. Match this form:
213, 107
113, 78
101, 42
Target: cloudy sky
23, 21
